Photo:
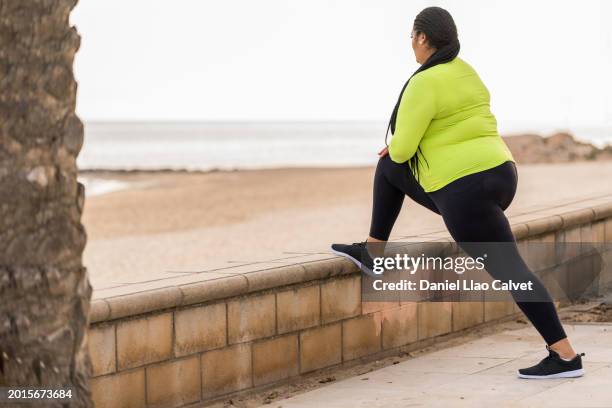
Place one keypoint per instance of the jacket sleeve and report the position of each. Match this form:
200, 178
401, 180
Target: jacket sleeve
417, 109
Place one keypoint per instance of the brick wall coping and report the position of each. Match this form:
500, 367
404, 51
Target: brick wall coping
138, 303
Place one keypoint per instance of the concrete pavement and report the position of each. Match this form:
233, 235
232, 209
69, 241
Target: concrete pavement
479, 373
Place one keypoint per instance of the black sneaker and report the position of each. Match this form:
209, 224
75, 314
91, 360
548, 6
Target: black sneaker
554, 366
358, 253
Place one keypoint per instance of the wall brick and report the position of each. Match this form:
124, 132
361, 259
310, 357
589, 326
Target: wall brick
275, 359
555, 280
418, 295
200, 329
434, 319
174, 383
608, 230
541, 252
399, 325
101, 342
606, 247
144, 340
568, 244
599, 231
605, 278
377, 306
467, 314
226, 370
361, 336
549, 238
587, 233
583, 279
523, 248
251, 318
340, 299
320, 347
497, 310
298, 309
120, 390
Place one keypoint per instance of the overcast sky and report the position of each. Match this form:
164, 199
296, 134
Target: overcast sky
544, 61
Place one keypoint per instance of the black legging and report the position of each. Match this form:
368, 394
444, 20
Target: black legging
472, 208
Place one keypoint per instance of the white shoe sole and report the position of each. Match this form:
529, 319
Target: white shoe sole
364, 269
565, 374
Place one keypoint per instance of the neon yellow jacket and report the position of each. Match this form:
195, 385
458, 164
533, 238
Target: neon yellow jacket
445, 110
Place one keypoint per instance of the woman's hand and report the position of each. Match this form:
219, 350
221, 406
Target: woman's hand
383, 152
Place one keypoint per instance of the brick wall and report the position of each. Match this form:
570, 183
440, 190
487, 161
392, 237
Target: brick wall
160, 349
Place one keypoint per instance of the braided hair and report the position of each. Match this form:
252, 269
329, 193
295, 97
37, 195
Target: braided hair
439, 27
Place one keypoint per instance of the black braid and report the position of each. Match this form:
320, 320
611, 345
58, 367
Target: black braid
439, 27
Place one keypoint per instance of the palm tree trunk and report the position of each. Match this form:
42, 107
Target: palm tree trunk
44, 289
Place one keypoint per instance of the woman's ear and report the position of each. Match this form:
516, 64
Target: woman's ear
422, 38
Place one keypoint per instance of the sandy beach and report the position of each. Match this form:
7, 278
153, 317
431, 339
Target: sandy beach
176, 222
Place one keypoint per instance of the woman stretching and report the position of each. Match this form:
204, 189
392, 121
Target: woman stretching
447, 155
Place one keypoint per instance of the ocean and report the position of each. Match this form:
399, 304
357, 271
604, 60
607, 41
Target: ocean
251, 145
208, 146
